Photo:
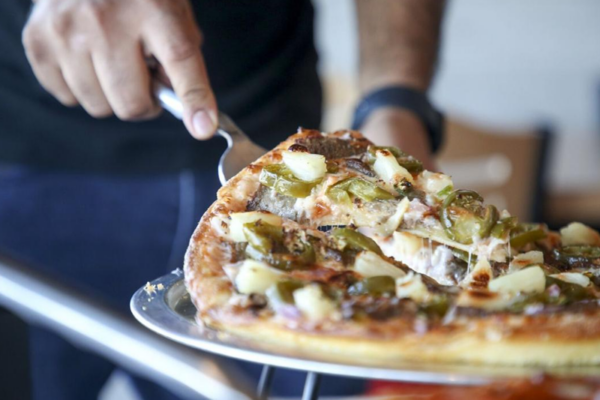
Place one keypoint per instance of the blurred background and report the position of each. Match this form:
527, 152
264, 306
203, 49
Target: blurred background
519, 83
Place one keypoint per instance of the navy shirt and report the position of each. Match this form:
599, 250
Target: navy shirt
261, 62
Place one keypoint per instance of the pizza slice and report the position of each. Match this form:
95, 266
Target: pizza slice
415, 215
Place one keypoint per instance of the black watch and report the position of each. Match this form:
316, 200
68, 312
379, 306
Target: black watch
408, 99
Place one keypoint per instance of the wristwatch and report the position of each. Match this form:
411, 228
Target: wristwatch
408, 99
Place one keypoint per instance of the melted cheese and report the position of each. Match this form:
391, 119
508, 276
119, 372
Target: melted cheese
420, 255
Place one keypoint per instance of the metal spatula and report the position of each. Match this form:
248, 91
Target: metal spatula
240, 151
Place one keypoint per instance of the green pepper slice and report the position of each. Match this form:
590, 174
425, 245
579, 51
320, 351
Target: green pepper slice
464, 256
445, 191
464, 217
356, 241
577, 253
437, 307
279, 178
410, 163
283, 261
504, 226
526, 233
342, 191
266, 243
263, 237
332, 167
374, 286
283, 291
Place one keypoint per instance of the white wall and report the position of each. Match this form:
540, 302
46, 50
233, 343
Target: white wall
518, 62
508, 64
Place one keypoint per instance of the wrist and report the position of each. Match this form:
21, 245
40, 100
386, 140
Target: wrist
406, 99
392, 126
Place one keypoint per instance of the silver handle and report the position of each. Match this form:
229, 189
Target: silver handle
186, 372
170, 102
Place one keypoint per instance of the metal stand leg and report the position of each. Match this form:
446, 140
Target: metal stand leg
264, 384
311, 387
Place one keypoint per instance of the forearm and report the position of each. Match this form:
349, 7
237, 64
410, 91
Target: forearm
399, 42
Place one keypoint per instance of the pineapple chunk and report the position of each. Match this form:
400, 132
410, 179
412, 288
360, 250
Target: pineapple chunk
236, 227
255, 277
305, 166
370, 264
526, 259
484, 300
405, 245
412, 286
434, 182
528, 280
480, 276
573, 277
387, 168
578, 233
313, 303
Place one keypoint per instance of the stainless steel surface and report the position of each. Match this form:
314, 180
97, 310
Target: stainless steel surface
264, 384
170, 313
311, 386
41, 301
240, 151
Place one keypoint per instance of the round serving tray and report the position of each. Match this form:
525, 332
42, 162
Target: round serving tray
167, 310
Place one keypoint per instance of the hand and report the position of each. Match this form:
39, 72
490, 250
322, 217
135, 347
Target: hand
400, 128
93, 53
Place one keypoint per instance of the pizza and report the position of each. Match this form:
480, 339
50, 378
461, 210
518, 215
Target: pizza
334, 248
532, 388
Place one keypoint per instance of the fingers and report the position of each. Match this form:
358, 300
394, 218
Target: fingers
126, 82
177, 48
90, 52
80, 75
45, 68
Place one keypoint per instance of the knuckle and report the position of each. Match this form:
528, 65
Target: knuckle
181, 50
61, 22
199, 94
97, 11
34, 47
134, 110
